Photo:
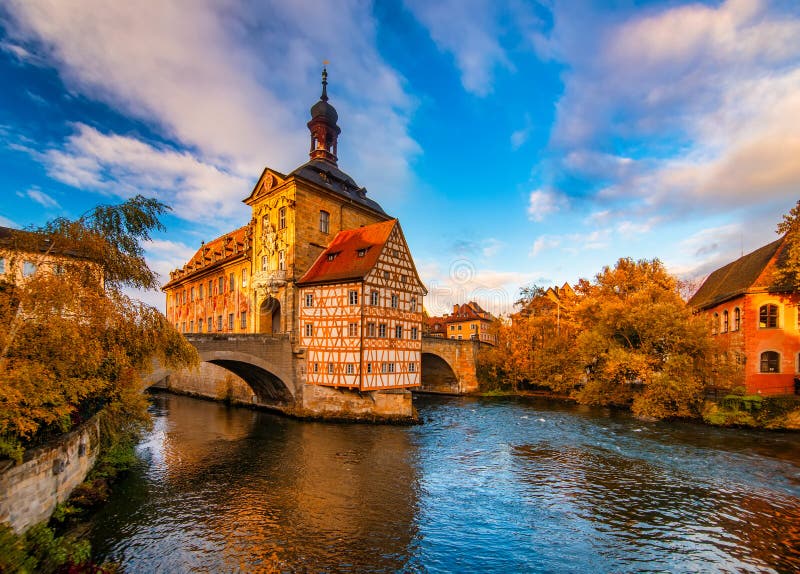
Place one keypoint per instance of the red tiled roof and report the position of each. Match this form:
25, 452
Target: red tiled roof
223, 248
340, 260
466, 312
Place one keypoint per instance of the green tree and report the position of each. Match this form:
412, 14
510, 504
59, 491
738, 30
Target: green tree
72, 342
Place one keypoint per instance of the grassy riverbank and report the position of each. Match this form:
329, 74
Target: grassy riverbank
737, 411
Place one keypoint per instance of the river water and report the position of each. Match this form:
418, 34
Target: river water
484, 485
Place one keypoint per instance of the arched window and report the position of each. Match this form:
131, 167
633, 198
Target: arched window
768, 317
770, 362
715, 324
737, 319
725, 321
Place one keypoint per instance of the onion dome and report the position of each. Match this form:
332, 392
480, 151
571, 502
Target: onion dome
323, 128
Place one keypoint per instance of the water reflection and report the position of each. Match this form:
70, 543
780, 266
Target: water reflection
490, 486
227, 490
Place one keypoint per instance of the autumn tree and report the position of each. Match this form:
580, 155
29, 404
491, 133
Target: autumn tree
71, 341
787, 274
639, 343
533, 347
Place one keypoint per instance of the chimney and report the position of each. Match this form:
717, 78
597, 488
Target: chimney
455, 309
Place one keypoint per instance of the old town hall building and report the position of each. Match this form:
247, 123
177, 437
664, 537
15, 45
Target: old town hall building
314, 239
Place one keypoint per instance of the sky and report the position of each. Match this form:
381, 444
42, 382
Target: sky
518, 142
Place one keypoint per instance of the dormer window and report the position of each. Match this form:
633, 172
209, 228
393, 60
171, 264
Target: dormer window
332, 256
362, 252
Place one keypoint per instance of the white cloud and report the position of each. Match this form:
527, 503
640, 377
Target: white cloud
19, 53
462, 281
628, 229
41, 198
520, 136
543, 202
234, 90
544, 243
123, 166
712, 112
6, 222
491, 247
469, 30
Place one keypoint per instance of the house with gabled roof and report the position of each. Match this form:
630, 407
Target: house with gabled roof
756, 319
360, 314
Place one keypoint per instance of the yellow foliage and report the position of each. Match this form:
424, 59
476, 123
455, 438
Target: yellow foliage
72, 343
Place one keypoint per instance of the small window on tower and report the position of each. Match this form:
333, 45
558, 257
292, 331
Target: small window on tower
324, 221
282, 218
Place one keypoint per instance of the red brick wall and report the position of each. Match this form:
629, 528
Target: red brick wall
753, 340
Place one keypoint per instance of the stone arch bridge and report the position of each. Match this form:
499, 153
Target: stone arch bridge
274, 369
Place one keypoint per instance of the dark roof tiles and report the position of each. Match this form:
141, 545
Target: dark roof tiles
735, 278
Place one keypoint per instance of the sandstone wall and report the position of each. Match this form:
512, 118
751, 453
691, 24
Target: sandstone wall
209, 381
29, 492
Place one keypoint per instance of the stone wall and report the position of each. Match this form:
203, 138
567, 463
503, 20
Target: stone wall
29, 492
209, 381
336, 403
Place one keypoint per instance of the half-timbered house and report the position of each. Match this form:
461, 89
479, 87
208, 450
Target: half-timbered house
360, 315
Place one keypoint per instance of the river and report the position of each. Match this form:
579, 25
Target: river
484, 485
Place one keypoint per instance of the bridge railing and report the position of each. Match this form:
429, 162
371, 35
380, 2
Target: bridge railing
202, 337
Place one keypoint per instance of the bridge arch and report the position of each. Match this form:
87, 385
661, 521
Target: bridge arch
437, 375
449, 365
268, 387
264, 363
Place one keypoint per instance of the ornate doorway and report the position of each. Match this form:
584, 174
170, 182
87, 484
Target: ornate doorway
269, 316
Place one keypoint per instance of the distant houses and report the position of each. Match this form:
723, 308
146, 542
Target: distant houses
759, 320
24, 253
468, 321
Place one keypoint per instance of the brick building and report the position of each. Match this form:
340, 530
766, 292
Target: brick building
757, 320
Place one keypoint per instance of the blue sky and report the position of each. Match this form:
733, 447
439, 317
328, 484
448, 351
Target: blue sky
518, 142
